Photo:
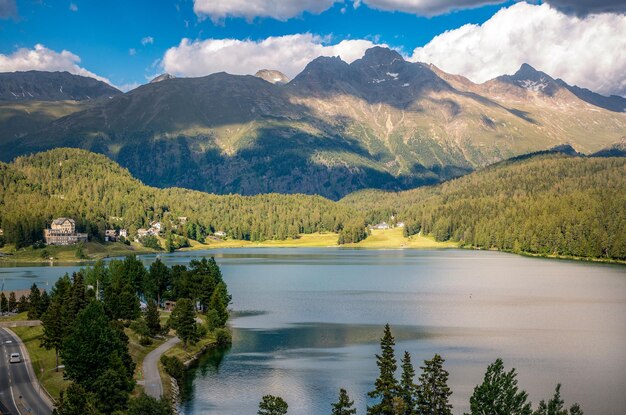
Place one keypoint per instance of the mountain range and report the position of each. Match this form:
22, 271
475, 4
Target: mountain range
378, 122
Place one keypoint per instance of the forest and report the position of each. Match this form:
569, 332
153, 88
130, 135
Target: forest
549, 204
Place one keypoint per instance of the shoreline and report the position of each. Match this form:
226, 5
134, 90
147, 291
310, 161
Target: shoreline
391, 239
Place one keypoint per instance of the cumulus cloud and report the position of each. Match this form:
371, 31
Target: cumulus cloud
148, 40
8, 9
40, 58
427, 7
249, 9
73, 7
587, 51
288, 54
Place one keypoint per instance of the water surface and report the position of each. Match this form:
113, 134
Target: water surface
308, 322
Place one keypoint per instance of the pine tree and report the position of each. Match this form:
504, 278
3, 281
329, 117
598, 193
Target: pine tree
33, 302
4, 303
153, 319
12, 302
386, 386
433, 391
158, 280
44, 303
344, 405
78, 295
184, 321
556, 406
408, 389
499, 394
217, 303
272, 405
54, 327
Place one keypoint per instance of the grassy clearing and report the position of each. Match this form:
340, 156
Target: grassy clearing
51, 380
92, 251
379, 239
16, 317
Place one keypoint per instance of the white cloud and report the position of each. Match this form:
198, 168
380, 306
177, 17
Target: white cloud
129, 86
73, 7
148, 40
588, 51
288, 54
249, 9
40, 58
132, 51
426, 7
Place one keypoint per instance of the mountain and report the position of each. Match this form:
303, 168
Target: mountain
378, 122
616, 150
272, 76
162, 77
612, 103
52, 86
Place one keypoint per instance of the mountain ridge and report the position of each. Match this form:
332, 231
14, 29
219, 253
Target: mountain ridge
378, 122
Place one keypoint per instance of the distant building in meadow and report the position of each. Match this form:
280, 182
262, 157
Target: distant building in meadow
220, 234
62, 231
400, 225
382, 225
123, 233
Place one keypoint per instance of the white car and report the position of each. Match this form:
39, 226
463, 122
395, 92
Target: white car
15, 358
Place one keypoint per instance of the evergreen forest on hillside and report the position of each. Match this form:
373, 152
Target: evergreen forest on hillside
548, 205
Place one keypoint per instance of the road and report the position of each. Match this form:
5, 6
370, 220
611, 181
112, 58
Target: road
18, 392
152, 379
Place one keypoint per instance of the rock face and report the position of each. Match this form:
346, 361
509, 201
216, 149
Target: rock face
379, 122
272, 76
52, 86
162, 77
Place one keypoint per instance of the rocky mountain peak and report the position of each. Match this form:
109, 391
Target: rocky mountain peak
162, 77
379, 55
272, 76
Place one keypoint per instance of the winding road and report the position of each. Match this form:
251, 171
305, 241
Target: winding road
152, 379
19, 392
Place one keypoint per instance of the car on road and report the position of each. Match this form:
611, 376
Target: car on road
15, 358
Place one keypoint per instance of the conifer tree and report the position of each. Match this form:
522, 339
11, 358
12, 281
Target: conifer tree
33, 302
217, 303
44, 302
499, 394
54, 327
12, 302
344, 405
272, 405
408, 389
4, 303
184, 321
386, 386
556, 406
433, 391
153, 319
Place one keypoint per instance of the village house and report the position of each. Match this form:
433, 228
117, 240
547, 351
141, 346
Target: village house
123, 233
400, 224
62, 231
110, 235
220, 234
382, 225
156, 226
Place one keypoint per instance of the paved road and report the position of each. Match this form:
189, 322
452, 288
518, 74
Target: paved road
152, 379
17, 391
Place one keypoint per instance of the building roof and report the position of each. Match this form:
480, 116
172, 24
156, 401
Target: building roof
61, 221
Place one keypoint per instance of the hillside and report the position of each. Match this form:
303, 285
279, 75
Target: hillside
549, 204
52, 86
100, 194
379, 122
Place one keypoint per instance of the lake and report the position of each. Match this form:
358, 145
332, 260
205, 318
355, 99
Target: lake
308, 321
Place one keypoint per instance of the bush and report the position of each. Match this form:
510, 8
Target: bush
145, 341
150, 241
140, 327
223, 337
173, 367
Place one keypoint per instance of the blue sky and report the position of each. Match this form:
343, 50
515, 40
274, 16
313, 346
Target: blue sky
106, 36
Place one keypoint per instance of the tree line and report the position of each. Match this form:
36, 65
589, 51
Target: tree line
84, 318
547, 205
498, 394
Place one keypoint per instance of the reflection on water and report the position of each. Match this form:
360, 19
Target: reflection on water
310, 319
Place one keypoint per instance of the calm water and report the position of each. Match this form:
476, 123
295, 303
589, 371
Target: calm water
308, 322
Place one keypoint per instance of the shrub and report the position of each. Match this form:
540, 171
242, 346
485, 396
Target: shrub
223, 337
173, 367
